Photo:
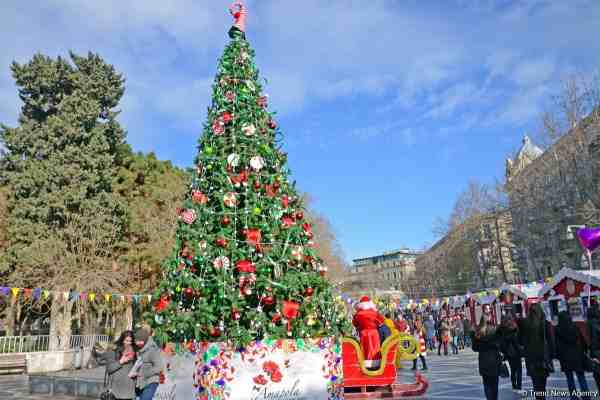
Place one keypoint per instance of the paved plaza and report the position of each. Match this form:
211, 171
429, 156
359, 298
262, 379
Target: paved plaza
450, 377
457, 377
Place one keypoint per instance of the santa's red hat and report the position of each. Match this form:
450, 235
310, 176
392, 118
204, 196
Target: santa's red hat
366, 304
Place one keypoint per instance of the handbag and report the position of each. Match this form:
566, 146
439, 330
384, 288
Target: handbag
107, 394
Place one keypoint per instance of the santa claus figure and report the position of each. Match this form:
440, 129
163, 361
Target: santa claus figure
367, 320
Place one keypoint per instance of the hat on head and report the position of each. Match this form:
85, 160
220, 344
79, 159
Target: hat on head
142, 335
366, 304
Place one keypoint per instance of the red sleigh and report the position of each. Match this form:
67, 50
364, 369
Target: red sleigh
361, 383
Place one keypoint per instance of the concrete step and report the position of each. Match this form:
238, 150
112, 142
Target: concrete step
65, 386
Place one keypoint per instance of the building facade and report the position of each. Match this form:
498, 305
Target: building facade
474, 255
552, 193
388, 273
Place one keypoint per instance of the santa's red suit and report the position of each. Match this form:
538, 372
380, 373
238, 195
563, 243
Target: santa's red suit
367, 320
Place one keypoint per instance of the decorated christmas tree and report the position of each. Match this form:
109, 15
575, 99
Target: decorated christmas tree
244, 266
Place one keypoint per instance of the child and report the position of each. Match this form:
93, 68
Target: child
419, 334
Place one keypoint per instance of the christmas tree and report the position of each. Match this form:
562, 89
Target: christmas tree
244, 266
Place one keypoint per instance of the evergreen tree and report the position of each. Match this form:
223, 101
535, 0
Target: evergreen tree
244, 265
59, 164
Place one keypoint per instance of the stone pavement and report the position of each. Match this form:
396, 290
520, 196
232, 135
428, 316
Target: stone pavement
453, 377
457, 377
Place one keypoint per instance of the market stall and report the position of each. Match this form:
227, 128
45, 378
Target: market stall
479, 305
568, 290
518, 297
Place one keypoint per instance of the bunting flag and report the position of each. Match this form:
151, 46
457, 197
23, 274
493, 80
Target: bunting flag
92, 296
27, 293
107, 297
15, 291
37, 293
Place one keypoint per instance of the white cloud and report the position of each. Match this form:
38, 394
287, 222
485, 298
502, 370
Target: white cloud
393, 56
533, 72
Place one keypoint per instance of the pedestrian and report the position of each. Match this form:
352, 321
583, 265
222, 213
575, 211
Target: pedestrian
419, 335
594, 329
401, 324
467, 331
571, 352
511, 348
389, 322
460, 332
537, 349
486, 342
429, 326
444, 336
118, 362
149, 366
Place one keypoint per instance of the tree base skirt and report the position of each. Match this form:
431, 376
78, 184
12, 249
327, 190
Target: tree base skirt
282, 369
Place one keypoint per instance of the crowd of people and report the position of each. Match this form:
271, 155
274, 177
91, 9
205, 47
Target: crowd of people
539, 342
501, 347
434, 330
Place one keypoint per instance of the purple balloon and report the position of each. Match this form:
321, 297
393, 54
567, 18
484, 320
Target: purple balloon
589, 238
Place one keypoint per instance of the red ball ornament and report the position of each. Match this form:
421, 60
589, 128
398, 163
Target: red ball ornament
199, 198
299, 215
225, 221
215, 332
188, 293
276, 318
226, 117
235, 314
268, 300
272, 124
221, 242
256, 185
309, 291
287, 221
285, 201
276, 185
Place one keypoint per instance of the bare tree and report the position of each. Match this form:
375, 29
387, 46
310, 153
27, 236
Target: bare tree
560, 187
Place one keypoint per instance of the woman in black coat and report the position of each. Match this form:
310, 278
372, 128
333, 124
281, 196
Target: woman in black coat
486, 342
537, 348
571, 352
510, 347
594, 328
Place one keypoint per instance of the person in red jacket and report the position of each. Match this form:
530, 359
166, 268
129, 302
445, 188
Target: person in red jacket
367, 320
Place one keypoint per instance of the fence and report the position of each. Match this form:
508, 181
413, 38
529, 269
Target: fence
31, 344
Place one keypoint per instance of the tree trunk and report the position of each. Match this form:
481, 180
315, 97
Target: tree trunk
124, 320
11, 317
60, 324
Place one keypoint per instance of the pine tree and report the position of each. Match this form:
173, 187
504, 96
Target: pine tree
58, 165
244, 264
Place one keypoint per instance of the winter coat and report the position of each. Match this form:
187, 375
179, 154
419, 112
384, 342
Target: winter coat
367, 322
458, 328
121, 385
570, 348
509, 344
488, 347
429, 328
466, 326
594, 329
152, 364
534, 347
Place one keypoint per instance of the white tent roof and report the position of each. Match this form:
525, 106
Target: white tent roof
592, 277
526, 291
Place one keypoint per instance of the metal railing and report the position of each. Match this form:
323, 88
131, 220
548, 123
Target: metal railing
31, 344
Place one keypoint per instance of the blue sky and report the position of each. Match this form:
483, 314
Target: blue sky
388, 107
